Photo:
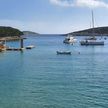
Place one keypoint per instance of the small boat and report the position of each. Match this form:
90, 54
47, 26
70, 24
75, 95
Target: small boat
64, 52
70, 39
30, 47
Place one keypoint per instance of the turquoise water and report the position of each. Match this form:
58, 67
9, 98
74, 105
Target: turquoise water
39, 78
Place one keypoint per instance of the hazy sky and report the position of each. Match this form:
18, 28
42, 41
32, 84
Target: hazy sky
53, 16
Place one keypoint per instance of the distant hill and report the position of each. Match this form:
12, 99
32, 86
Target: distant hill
9, 32
97, 31
29, 33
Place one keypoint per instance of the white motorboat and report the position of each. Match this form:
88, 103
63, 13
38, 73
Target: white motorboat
70, 39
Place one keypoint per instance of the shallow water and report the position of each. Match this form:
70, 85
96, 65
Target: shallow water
40, 78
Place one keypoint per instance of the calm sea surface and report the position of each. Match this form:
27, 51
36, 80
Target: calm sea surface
39, 78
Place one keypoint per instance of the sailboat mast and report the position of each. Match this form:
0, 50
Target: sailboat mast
93, 24
92, 19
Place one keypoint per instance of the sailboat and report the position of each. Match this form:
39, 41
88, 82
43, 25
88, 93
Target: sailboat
92, 40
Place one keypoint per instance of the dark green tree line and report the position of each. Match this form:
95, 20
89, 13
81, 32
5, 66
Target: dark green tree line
9, 31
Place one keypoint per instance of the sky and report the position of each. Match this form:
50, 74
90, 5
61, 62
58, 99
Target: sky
53, 16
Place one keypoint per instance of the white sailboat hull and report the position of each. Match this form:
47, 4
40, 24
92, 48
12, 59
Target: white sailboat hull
92, 42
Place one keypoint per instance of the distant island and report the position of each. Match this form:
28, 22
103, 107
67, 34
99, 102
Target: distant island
29, 33
98, 31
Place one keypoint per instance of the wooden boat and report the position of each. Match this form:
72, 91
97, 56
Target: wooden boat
64, 52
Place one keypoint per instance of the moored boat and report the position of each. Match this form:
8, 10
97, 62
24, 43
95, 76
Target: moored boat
30, 47
64, 52
70, 39
92, 40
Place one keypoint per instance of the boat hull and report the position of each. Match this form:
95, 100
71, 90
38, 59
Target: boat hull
64, 52
92, 43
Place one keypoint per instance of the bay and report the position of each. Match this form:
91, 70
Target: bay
40, 78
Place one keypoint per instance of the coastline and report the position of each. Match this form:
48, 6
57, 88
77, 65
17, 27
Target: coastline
9, 38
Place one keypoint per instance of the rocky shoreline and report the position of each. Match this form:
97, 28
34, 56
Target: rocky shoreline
10, 38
